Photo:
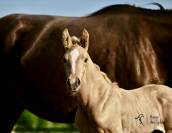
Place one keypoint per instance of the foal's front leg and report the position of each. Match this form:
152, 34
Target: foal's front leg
112, 126
82, 122
116, 129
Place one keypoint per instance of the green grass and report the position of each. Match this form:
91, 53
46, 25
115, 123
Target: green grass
30, 123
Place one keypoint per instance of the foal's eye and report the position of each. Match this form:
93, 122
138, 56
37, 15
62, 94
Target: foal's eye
85, 60
64, 60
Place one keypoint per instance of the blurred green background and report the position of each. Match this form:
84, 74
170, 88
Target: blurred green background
30, 123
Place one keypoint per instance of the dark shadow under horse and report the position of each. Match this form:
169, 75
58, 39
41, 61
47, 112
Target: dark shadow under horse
132, 45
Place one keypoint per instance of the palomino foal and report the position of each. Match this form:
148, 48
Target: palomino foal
103, 107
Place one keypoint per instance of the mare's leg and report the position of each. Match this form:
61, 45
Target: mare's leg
10, 107
10, 52
10, 103
9, 113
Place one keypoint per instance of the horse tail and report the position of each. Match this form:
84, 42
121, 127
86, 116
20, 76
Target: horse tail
159, 5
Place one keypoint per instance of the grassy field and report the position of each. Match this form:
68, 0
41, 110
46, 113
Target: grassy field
30, 123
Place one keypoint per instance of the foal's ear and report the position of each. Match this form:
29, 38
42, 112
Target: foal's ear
66, 39
85, 39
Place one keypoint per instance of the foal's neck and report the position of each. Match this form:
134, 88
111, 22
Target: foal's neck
94, 84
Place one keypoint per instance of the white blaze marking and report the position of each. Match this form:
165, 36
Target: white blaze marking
74, 55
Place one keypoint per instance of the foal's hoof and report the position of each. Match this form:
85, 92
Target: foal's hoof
157, 131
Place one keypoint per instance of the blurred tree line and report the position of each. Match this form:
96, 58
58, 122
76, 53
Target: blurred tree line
30, 123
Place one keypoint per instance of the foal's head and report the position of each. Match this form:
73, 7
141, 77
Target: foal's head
76, 58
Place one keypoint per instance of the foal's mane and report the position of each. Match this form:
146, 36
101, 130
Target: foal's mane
103, 74
76, 40
115, 84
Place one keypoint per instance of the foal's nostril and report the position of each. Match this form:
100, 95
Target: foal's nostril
68, 82
73, 84
77, 82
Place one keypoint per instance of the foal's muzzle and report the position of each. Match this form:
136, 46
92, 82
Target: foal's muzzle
73, 84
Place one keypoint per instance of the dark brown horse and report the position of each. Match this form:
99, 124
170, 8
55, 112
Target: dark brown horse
132, 45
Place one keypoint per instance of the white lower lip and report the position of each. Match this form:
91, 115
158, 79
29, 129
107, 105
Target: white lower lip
73, 91
76, 90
